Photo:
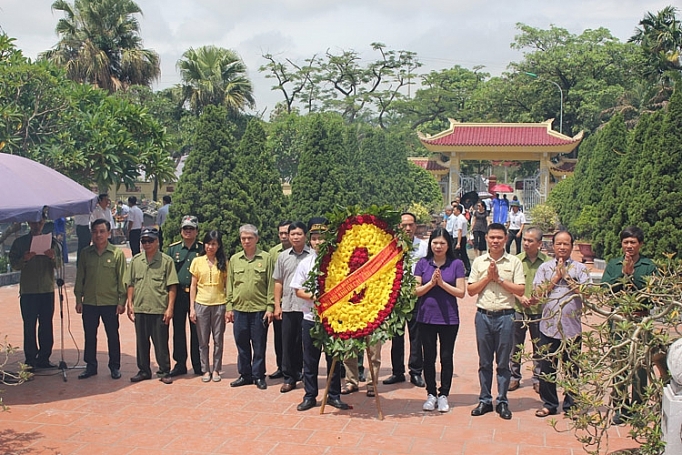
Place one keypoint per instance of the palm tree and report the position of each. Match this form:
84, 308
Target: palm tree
100, 44
217, 76
660, 36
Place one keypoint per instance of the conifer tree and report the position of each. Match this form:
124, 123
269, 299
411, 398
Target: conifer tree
208, 187
320, 184
259, 178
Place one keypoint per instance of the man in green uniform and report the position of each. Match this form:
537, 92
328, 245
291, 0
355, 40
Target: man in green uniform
626, 273
152, 283
101, 293
182, 253
36, 291
250, 305
527, 312
283, 233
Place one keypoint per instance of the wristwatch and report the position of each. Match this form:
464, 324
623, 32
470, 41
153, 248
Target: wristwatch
501, 280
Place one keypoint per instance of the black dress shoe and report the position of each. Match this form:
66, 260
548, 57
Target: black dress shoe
86, 374
277, 374
417, 380
261, 384
337, 403
394, 379
286, 387
503, 410
45, 365
139, 377
115, 373
178, 371
307, 403
240, 381
481, 409
166, 379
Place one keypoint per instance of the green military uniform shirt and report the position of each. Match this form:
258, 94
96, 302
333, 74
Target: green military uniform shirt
614, 272
274, 252
37, 274
150, 281
250, 286
529, 271
100, 278
182, 258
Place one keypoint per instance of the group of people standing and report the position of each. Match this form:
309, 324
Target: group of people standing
195, 282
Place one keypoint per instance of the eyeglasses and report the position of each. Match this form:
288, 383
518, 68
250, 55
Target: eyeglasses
146, 240
188, 228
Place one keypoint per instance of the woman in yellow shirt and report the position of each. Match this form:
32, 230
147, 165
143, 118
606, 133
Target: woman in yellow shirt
207, 300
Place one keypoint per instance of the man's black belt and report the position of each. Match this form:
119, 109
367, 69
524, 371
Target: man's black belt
495, 313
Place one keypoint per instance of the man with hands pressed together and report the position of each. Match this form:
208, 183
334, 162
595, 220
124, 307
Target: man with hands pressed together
496, 277
101, 294
627, 274
152, 282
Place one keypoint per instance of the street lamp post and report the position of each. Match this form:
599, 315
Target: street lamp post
561, 93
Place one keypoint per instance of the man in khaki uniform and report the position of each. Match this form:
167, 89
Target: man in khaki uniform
101, 294
250, 305
152, 283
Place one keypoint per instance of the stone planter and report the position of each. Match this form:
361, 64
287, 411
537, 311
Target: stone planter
586, 251
9, 278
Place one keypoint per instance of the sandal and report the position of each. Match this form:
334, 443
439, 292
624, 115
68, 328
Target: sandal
370, 393
206, 377
544, 412
348, 389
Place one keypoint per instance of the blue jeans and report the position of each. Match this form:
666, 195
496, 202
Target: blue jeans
494, 339
311, 362
249, 333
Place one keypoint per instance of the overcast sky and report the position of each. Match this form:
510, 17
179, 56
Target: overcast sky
443, 33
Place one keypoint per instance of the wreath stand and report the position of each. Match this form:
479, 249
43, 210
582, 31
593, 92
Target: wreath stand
374, 385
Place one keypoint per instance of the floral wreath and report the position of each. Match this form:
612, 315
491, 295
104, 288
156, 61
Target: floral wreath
362, 281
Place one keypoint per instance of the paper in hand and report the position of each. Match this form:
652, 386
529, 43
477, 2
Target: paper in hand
41, 243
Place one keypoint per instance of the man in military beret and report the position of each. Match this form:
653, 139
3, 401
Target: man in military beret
152, 284
182, 253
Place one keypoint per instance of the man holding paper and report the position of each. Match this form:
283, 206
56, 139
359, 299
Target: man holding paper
36, 256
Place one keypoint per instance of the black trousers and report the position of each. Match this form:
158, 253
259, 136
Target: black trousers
151, 327
91, 316
311, 365
292, 352
180, 318
446, 334
461, 253
512, 238
277, 329
84, 238
548, 366
134, 240
37, 310
416, 361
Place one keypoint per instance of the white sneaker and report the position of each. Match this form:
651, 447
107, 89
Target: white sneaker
443, 405
430, 403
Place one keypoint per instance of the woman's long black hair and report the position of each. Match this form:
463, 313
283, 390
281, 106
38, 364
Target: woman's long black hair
220, 254
442, 232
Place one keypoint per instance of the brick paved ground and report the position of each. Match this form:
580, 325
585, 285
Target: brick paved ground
100, 415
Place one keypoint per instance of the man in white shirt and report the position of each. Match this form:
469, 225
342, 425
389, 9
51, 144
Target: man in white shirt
102, 211
450, 221
459, 237
515, 225
135, 220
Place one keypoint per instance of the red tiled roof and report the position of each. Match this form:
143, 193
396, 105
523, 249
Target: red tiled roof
427, 164
499, 135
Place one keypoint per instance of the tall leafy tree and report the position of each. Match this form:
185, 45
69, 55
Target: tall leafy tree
216, 76
100, 44
660, 37
208, 187
259, 178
